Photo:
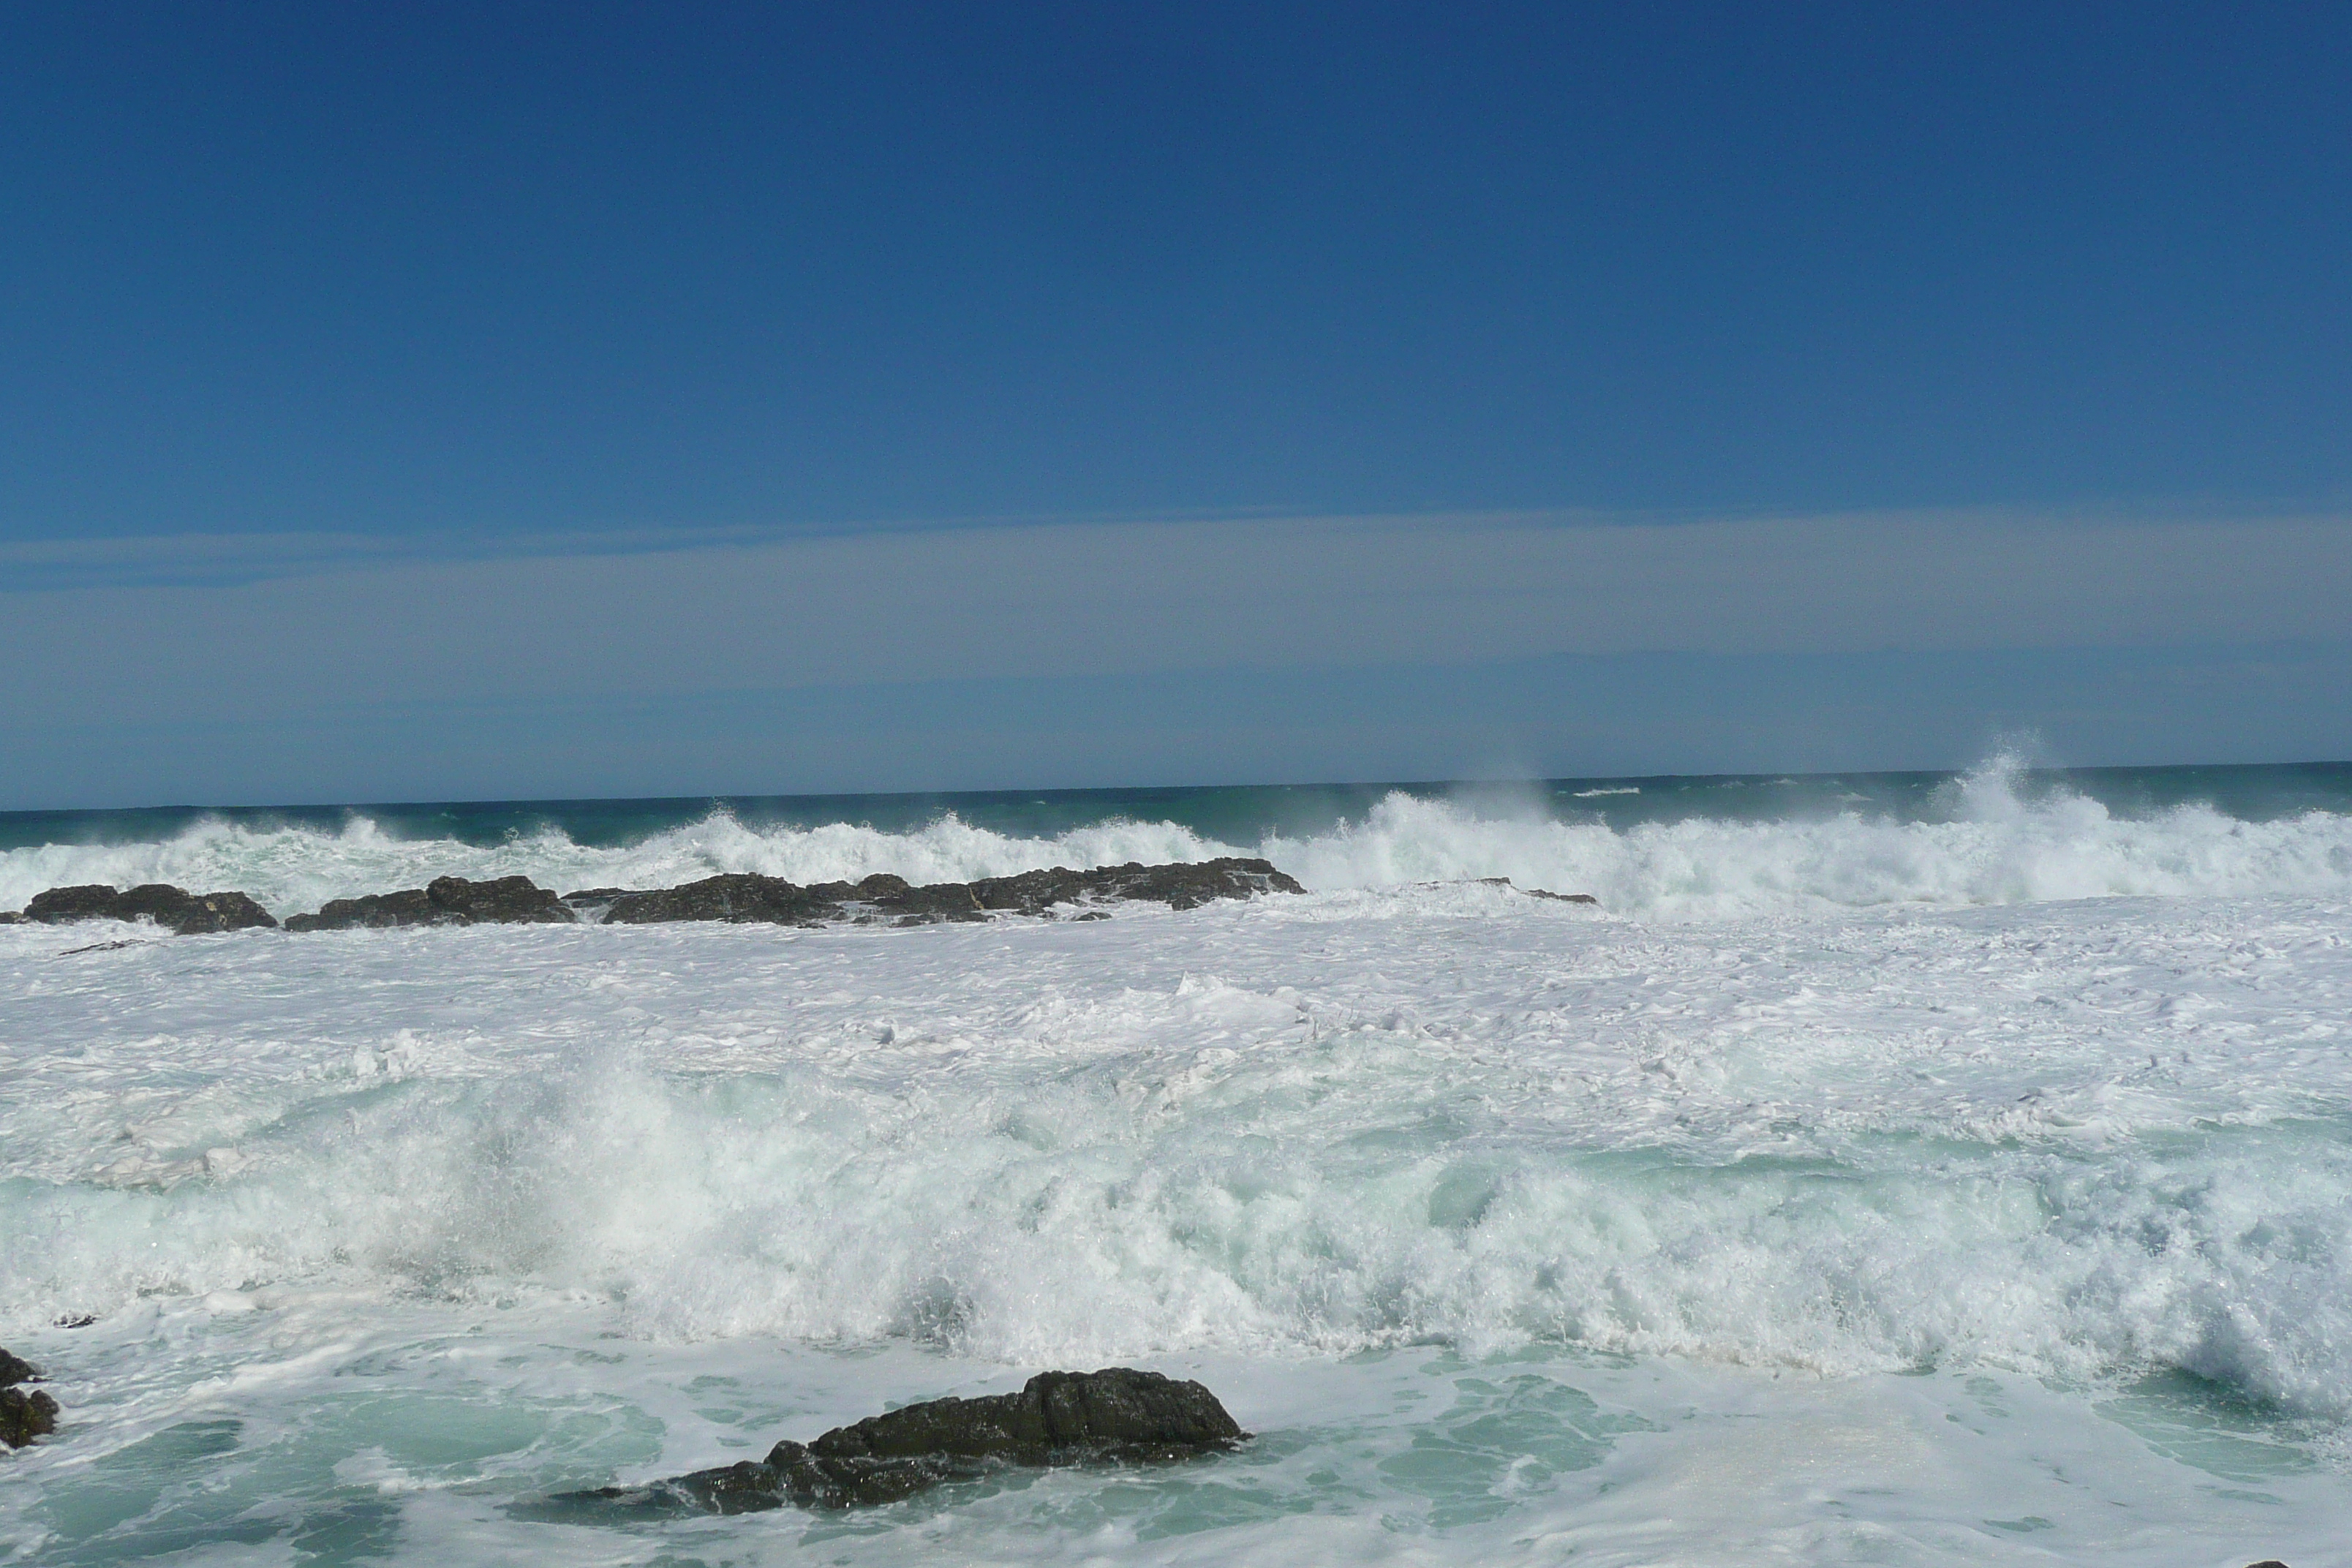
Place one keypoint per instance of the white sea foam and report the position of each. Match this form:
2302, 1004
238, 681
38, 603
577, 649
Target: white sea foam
1994, 845
2067, 848
1433, 1114
1903, 1231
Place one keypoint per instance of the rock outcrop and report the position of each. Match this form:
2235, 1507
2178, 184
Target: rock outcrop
173, 909
1185, 885
739, 897
747, 896
22, 1416
1117, 1415
444, 900
886, 899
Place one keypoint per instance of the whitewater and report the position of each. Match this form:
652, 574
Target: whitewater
1967, 1180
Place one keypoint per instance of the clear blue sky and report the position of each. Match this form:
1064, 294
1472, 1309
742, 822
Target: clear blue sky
433, 281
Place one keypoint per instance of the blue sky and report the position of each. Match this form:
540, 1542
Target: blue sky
622, 347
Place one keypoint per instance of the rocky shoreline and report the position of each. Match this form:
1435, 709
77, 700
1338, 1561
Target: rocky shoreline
738, 897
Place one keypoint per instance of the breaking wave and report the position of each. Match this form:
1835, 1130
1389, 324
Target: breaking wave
1992, 842
1065, 1222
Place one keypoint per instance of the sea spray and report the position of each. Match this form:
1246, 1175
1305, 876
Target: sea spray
1852, 1186
1991, 837
1492, 1124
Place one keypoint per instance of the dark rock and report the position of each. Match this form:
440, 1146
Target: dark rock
885, 897
81, 1321
1183, 886
11, 918
792, 1474
1116, 1416
1033, 892
1563, 898
1116, 1412
87, 901
208, 913
747, 896
446, 900
1504, 883
740, 897
25, 1416
175, 909
502, 901
409, 907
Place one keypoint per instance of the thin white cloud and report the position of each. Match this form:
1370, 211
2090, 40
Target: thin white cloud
322, 623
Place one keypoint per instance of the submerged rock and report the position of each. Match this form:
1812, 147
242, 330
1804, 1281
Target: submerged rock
1547, 893
1117, 1415
444, 900
22, 1416
173, 909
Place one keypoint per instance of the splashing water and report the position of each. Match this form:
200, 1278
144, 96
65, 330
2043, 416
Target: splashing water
1991, 841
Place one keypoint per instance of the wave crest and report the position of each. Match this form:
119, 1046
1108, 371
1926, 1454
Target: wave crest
1994, 842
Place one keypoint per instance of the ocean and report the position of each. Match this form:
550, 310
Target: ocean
1910, 1169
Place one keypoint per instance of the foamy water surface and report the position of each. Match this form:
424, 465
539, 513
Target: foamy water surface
1972, 1189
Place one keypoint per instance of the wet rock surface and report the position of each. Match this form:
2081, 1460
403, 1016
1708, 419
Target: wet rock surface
24, 1415
1116, 1417
1539, 892
173, 909
444, 900
1183, 885
739, 898
885, 899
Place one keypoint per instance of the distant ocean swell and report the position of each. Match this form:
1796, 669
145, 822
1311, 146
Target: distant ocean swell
1990, 843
